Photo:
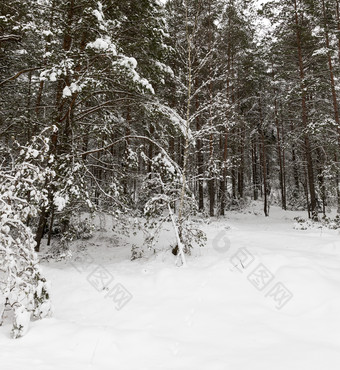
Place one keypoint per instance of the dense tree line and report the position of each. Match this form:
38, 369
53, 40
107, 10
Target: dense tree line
107, 84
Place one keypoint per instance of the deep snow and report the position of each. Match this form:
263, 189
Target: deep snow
210, 315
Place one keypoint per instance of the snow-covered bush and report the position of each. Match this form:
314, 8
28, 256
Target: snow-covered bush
302, 224
333, 224
68, 198
162, 188
69, 230
329, 223
23, 288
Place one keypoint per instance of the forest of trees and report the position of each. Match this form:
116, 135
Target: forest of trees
137, 107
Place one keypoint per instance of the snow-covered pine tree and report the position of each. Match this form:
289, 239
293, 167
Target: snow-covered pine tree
23, 288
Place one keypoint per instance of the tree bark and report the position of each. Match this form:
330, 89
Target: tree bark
307, 145
264, 164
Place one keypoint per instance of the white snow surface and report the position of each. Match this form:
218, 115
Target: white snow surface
205, 316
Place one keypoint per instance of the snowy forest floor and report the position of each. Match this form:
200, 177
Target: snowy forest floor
222, 312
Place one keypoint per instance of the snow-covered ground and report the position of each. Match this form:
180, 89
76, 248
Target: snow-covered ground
261, 295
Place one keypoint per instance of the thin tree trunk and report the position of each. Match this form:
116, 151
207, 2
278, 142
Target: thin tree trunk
307, 145
305, 187
223, 187
150, 154
200, 159
211, 182
40, 229
264, 164
50, 229
284, 200
279, 155
296, 177
337, 183
254, 169
240, 174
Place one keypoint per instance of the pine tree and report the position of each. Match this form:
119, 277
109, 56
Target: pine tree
22, 285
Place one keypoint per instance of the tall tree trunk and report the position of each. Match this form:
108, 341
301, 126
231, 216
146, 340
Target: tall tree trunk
284, 200
296, 177
223, 187
211, 182
254, 161
321, 180
60, 116
337, 183
240, 174
307, 145
264, 163
150, 152
41, 83
279, 154
199, 159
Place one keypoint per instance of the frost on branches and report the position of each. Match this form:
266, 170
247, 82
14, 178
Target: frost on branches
162, 188
23, 289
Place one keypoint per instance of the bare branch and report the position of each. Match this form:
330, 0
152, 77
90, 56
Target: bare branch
5, 38
19, 74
